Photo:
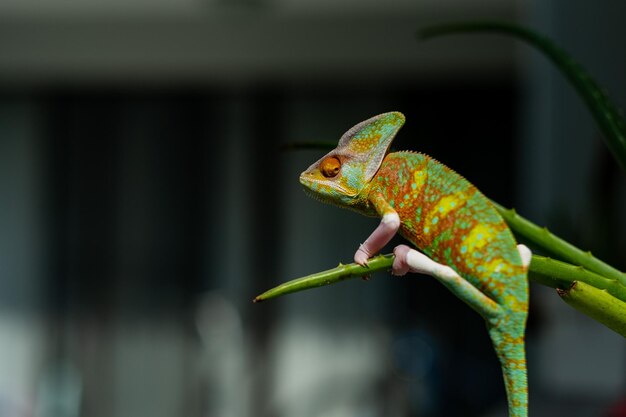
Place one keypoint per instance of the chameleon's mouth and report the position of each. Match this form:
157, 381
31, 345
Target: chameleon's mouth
318, 185
319, 189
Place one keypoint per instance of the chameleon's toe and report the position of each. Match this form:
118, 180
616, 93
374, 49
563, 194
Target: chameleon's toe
525, 254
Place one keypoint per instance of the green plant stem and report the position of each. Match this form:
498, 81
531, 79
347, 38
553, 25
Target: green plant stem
556, 246
561, 275
607, 116
602, 299
597, 304
546, 271
330, 276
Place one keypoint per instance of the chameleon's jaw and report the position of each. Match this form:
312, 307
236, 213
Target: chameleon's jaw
324, 190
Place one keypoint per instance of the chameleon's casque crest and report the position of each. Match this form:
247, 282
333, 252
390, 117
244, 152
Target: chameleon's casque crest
358, 157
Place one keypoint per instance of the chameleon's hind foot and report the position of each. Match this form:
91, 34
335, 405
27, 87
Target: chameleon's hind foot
400, 266
407, 259
410, 260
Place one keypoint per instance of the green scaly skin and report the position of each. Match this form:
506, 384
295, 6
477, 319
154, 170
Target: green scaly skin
446, 218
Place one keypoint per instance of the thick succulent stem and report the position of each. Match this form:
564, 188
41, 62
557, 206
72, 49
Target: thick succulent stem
597, 304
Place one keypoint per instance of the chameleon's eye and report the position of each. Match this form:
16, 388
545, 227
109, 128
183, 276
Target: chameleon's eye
330, 167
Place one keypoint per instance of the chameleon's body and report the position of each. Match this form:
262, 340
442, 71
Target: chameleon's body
446, 218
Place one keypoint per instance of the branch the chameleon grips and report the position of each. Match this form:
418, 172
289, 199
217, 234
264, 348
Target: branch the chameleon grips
328, 277
543, 270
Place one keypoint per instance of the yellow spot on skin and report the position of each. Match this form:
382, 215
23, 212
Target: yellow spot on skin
444, 206
478, 237
494, 266
419, 179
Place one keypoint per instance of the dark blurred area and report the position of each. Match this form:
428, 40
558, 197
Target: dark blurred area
145, 200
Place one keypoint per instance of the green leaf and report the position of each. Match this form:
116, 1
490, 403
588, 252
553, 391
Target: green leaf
608, 118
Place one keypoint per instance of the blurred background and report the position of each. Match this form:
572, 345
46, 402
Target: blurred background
144, 201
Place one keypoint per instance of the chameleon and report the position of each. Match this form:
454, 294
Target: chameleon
458, 236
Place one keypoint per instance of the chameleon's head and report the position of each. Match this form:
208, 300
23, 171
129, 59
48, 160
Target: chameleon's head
340, 176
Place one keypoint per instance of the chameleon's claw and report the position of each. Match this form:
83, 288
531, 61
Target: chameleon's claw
361, 256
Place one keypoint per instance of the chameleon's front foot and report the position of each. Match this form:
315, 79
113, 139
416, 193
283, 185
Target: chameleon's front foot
362, 255
387, 228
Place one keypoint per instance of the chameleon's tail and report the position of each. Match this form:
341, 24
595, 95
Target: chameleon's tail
508, 341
